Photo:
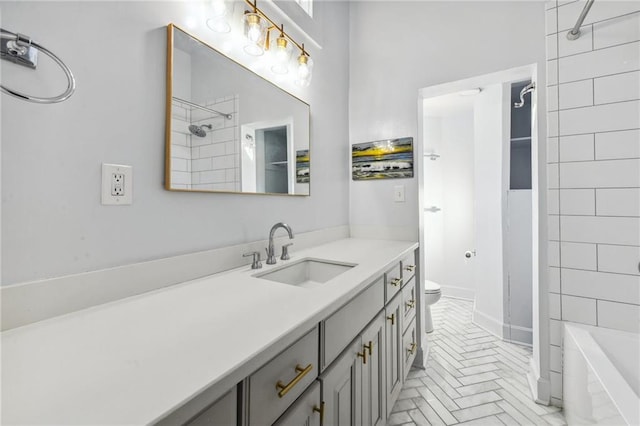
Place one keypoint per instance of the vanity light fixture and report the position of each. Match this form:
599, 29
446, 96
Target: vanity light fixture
305, 68
255, 31
257, 27
281, 54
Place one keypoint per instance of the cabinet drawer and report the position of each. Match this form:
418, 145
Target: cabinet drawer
306, 411
392, 282
274, 387
408, 303
408, 265
222, 412
409, 346
345, 324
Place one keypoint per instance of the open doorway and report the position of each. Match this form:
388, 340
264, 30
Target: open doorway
480, 200
267, 160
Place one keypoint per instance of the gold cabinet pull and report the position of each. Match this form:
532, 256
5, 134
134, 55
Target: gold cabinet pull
412, 349
392, 318
410, 268
369, 347
363, 354
320, 411
411, 303
396, 282
284, 389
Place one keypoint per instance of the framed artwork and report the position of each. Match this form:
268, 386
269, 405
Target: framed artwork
302, 166
385, 159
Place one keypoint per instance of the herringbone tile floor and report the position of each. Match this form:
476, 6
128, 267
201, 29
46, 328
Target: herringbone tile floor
472, 378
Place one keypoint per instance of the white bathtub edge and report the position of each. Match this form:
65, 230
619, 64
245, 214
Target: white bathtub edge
621, 394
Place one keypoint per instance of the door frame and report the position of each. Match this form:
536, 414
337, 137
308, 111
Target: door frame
538, 375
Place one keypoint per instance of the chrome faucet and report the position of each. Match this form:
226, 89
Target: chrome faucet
271, 256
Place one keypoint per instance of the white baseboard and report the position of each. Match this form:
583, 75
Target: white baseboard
458, 292
519, 335
490, 324
26, 303
540, 388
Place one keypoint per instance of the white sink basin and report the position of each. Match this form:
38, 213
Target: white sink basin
306, 272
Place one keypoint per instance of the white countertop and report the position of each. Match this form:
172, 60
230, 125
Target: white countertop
135, 360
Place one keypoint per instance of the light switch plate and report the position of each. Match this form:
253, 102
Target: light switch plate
398, 193
117, 184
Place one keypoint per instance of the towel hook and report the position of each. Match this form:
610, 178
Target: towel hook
21, 50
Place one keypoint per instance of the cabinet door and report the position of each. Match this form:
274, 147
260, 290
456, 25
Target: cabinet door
374, 395
223, 412
341, 386
410, 347
305, 411
393, 349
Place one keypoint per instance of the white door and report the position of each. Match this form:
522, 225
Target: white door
449, 194
490, 193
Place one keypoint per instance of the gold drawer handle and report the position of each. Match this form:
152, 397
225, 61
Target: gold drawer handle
411, 303
284, 389
320, 411
396, 282
363, 354
412, 349
410, 268
392, 318
369, 347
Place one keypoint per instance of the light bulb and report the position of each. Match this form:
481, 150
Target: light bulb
253, 34
281, 54
254, 31
305, 69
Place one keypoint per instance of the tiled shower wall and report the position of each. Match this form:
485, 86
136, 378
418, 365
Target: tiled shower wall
593, 170
215, 159
211, 162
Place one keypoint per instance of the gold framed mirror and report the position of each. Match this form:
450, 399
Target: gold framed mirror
227, 128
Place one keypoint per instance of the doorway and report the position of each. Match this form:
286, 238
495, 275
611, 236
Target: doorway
478, 220
267, 160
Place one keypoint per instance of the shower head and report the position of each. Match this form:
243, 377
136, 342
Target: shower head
526, 89
198, 130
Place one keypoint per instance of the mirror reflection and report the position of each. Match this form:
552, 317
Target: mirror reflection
228, 129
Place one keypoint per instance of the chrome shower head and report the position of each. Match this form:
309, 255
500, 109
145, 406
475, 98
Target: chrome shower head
526, 89
198, 130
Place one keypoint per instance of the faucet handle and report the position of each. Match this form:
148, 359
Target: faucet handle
285, 252
256, 264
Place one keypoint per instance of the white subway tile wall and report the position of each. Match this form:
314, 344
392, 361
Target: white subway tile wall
593, 169
211, 162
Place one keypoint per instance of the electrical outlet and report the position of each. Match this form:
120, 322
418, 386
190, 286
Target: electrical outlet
398, 193
117, 184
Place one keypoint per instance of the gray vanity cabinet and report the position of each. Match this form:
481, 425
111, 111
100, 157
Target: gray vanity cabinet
393, 349
374, 395
306, 411
341, 388
362, 352
223, 412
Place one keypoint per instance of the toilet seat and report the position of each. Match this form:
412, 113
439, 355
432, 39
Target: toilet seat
431, 287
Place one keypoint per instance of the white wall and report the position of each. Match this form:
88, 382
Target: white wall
425, 43
594, 171
53, 223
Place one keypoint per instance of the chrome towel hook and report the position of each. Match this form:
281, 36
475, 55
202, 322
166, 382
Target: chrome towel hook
21, 50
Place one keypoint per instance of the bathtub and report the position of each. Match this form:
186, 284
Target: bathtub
601, 376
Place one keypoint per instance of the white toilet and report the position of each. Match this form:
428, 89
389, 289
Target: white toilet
432, 294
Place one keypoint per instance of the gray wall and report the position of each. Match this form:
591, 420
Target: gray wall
52, 221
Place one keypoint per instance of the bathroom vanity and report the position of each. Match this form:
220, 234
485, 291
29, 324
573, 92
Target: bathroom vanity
241, 347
